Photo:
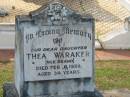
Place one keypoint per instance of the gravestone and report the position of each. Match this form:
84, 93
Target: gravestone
55, 53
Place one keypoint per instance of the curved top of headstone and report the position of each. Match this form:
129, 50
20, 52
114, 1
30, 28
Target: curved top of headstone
56, 13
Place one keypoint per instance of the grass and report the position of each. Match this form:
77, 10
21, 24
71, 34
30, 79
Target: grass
109, 74
113, 75
6, 74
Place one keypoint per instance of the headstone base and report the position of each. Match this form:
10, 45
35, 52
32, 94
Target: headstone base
9, 90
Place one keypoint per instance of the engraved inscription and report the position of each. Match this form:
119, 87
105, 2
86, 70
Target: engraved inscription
49, 55
57, 45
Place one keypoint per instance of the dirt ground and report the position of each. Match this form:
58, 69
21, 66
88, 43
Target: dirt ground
116, 93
